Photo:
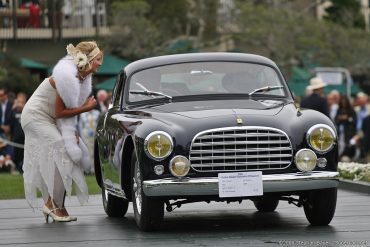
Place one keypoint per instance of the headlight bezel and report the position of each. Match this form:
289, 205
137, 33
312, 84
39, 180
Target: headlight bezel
315, 127
146, 142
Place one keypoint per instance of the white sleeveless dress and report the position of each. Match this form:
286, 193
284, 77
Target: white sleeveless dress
44, 151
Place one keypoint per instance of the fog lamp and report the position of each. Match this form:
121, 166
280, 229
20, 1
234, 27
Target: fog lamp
179, 166
305, 160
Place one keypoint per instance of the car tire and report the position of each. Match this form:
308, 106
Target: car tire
148, 211
266, 204
113, 206
319, 206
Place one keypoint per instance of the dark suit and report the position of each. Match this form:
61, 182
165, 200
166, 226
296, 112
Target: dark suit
316, 102
366, 138
8, 115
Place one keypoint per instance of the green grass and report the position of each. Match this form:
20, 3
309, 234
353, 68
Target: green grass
11, 186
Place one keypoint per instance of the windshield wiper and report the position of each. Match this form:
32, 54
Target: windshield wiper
265, 89
150, 93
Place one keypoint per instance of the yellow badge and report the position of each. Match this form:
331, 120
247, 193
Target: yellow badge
239, 120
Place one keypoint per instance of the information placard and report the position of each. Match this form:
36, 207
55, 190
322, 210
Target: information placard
240, 184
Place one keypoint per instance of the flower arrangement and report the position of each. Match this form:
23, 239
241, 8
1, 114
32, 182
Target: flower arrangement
354, 171
80, 59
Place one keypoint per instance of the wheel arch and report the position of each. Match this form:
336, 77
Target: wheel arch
127, 150
97, 167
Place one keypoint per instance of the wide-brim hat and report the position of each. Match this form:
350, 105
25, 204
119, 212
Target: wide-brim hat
316, 83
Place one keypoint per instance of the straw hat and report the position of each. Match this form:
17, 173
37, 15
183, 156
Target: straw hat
316, 83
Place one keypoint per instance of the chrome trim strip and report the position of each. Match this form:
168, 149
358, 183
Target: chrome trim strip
271, 183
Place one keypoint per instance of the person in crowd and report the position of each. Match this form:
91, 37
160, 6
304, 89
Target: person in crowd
315, 100
48, 165
366, 139
362, 108
87, 126
333, 102
102, 96
345, 121
6, 113
17, 131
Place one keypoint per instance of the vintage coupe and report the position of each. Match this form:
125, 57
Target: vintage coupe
212, 127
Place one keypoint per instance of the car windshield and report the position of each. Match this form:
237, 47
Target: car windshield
204, 78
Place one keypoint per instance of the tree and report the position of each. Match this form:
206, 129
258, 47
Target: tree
346, 13
290, 38
134, 35
14, 77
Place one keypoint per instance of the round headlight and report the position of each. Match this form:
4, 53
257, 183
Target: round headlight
321, 138
158, 145
305, 160
179, 166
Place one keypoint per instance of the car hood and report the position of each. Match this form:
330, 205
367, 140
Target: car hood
201, 109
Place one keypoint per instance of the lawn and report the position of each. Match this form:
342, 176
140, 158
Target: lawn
11, 186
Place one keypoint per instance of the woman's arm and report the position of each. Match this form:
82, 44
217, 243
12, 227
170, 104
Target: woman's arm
62, 112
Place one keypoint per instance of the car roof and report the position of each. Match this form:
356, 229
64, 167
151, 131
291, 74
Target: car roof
196, 57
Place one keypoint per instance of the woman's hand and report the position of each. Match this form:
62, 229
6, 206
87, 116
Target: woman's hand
90, 103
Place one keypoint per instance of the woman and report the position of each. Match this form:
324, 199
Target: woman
345, 121
48, 166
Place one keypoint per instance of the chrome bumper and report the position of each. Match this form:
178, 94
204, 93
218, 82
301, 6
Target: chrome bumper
271, 183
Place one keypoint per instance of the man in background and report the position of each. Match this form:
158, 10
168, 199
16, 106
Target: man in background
316, 100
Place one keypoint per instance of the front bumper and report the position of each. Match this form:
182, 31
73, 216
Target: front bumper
271, 183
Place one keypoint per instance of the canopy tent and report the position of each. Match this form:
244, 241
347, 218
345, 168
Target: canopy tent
32, 64
111, 65
107, 84
300, 78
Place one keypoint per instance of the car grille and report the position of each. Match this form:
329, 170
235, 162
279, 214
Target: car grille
240, 149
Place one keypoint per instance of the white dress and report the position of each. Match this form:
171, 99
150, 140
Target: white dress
47, 165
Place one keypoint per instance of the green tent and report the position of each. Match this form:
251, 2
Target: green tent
107, 84
31, 64
111, 65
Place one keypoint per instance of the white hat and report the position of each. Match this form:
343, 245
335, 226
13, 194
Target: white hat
316, 83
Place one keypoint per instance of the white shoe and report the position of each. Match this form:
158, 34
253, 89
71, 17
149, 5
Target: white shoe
50, 213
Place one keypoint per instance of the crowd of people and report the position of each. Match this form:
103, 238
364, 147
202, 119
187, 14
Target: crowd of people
351, 117
11, 132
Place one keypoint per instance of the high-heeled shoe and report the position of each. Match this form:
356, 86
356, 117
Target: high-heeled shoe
73, 218
50, 213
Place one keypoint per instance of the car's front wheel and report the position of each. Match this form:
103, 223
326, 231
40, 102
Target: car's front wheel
319, 206
113, 206
266, 204
148, 211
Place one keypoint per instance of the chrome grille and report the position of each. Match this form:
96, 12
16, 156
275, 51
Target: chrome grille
240, 149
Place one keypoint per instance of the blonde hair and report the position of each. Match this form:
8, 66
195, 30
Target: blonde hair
88, 50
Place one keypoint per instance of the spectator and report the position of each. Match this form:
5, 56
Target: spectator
333, 99
87, 126
17, 131
366, 139
315, 100
362, 108
102, 97
5, 128
345, 121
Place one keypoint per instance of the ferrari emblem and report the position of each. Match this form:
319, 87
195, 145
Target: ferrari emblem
239, 120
